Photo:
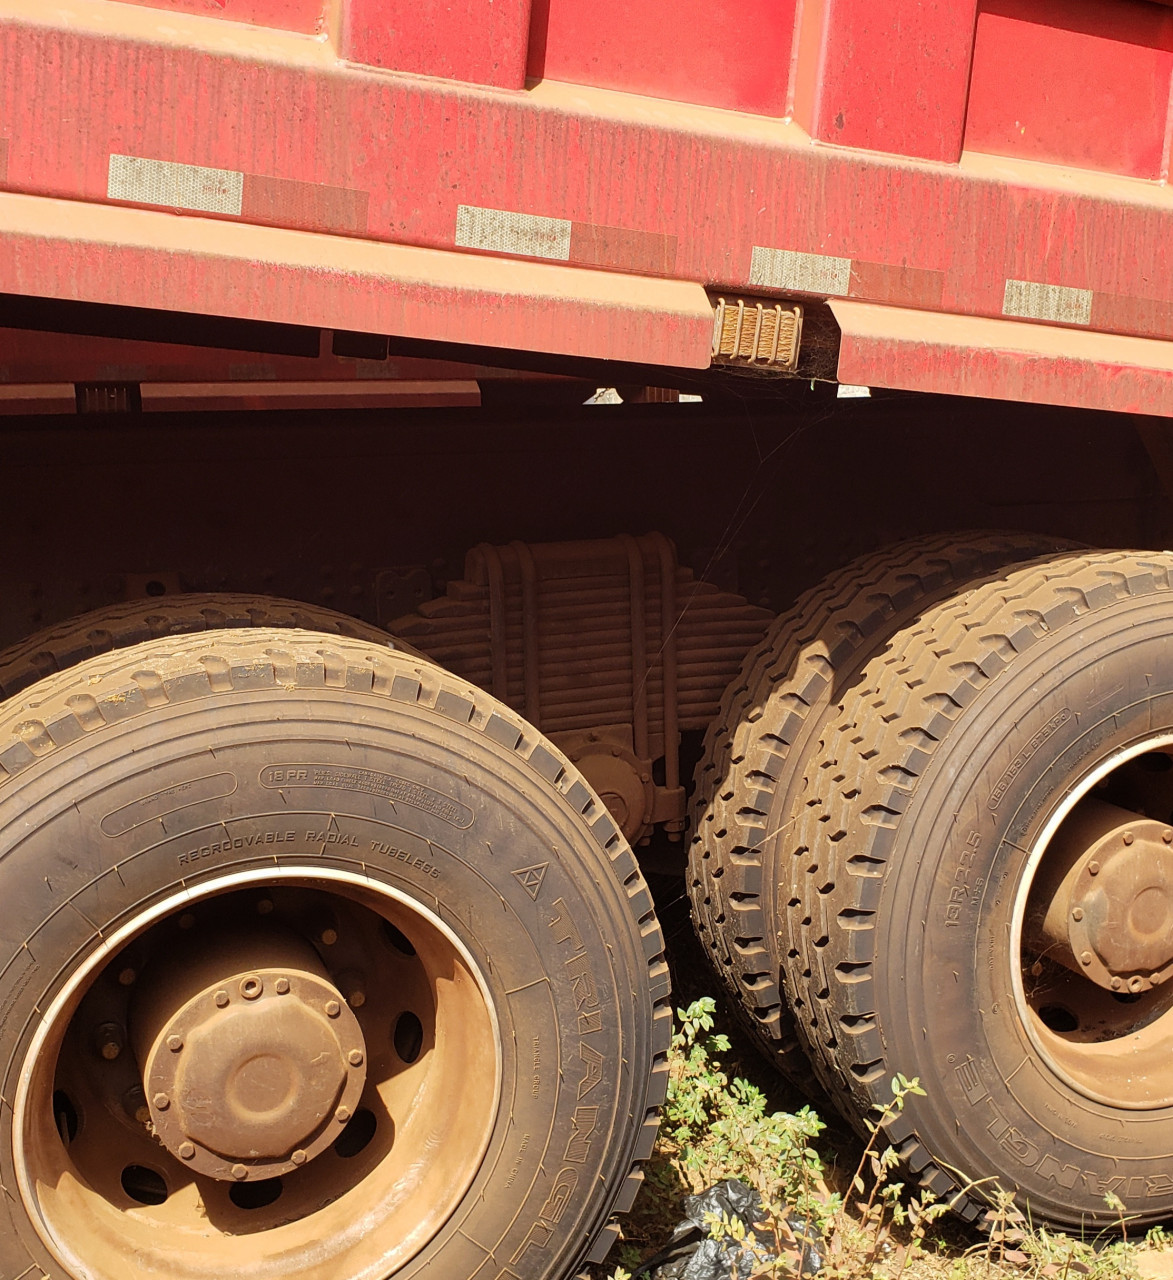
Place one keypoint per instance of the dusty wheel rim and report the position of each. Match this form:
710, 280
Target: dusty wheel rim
1094, 999
111, 1201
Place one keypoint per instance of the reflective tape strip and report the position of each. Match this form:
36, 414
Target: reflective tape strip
802, 272
174, 185
505, 232
1036, 301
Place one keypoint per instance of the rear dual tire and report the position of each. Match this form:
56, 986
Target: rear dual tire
941, 812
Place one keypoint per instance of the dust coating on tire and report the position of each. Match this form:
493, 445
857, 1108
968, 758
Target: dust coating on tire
972, 834
317, 801
120, 625
750, 783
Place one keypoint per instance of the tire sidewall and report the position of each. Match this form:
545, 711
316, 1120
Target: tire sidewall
945, 996
463, 844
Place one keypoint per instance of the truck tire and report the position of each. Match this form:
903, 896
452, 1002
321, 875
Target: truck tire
118, 626
982, 903
318, 962
750, 780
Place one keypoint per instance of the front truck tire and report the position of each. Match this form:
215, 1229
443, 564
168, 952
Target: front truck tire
318, 963
983, 896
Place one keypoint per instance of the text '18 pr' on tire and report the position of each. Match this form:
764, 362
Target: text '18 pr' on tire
318, 962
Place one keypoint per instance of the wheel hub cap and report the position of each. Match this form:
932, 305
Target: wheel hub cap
256, 1074
1112, 912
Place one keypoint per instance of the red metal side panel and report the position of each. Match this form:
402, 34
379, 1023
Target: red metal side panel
887, 77
724, 53
153, 259
1003, 359
458, 39
1075, 82
308, 16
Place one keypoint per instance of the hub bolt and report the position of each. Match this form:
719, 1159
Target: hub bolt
342, 1115
298, 1157
161, 1101
110, 1040
174, 1043
221, 999
1085, 957
1167, 835
1077, 914
187, 1150
239, 1172
1128, 837
1116, 984
354, 1057
282, 986
333, 1008
1093, 868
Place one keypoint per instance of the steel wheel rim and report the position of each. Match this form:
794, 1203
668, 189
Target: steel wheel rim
1138, 1057
390, 1200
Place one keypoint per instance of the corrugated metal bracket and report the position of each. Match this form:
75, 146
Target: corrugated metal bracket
756, 331
1002, 359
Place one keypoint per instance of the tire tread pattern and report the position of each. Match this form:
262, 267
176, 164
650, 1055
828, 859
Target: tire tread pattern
771, 719
876, 753
113, 687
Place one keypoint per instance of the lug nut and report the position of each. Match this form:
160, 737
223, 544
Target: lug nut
264, 907
298, 1157
282, 986
333, 1008
110, 1041
175, 1043
1077, 913
352, 987
161, 1101
135, 1105
221, 999
251, 987
187, 1150
1093, 868
187, 920
239, 1172
328, 937
342, 1115
1116, 984
1085, 957
127, 976
354, 1057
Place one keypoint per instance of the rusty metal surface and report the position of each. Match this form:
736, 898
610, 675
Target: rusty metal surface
248, 1092
609, 646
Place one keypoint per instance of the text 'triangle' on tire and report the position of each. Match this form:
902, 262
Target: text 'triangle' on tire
320, 963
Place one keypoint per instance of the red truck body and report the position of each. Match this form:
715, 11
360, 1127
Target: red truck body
575, 179
324, 322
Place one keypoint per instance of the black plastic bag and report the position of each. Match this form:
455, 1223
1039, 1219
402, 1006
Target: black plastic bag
692, 1254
